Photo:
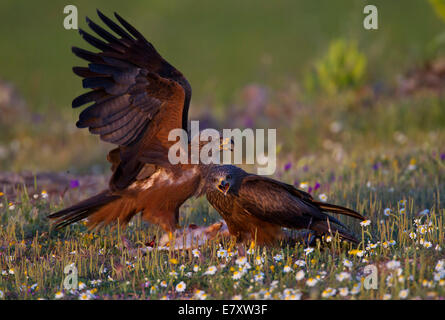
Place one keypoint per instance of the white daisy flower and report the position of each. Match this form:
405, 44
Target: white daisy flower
403, 294
180, 287
211, 270
300, 275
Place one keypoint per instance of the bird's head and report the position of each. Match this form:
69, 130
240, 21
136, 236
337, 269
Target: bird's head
225, 178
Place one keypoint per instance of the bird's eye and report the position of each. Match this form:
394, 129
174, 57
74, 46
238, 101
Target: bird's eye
228, 177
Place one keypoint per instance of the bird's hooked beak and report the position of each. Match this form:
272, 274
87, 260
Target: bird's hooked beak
223, 186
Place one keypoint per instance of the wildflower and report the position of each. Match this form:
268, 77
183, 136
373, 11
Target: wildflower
308, 250
180, 287
347, 263
278, 258
287, 166
328, 239
173, 261
11, 206
237, 297
195, 268
294, 296
300, 263
402, 210
84, 296
300, 275
259, 260
95, 282
427, 244
200, 294
386, 296
356, 288
311, 282
387, 212
304, 185
342, 276
365, 223
413, 235
74, 184
211, 271
221, 253
393, 264
59, 295
173, 273
323, 197
44, 194
343, 291
356, 252
403, 294
241, 261
196, 253
328, 292
182, 267
163, 284
287, 269
424, 212
259, 277
2, 294
440, 265
81, 285
412, 164
237, 275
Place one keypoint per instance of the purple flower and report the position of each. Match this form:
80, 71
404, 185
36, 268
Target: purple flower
74, 183
317, 186
287, 166
376, 166
309, 190
305, 168
442, 156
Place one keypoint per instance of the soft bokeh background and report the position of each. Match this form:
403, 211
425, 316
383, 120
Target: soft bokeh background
307, 68
360, 119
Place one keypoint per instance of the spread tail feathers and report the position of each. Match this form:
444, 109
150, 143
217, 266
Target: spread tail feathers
102, 208
324, 227
339, 210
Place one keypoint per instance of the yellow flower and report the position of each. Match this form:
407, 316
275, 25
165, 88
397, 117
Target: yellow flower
174, 261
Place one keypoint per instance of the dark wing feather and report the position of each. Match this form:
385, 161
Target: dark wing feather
131, 83
276, 202
136, 97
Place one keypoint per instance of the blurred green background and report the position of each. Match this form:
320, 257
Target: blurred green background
219, 45
222, 47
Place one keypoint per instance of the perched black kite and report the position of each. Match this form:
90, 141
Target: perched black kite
256, 207
137, 99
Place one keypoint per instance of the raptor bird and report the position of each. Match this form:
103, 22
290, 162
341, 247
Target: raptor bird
256, 207
136, 99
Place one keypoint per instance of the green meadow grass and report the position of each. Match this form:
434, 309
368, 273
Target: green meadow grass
380, 154
33, 257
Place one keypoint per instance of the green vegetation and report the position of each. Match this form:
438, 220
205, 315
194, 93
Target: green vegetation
353, 132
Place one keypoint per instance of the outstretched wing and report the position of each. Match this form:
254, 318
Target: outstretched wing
277, 202
132, 87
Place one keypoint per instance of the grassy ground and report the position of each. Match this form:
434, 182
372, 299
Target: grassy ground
391, 186
366, 146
